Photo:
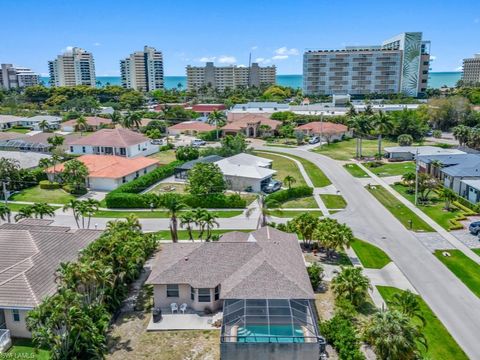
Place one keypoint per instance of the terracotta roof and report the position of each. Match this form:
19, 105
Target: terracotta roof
11, 135
192, 125
91, 121
110, 166
323, 127
111, 137
266, 263
208, 107
242, 123
29, 258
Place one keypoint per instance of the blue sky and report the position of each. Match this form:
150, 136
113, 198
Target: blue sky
190, 32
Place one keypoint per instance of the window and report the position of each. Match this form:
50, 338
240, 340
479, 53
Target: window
83, 149
192, 293
145, 171
124, 179
217, 292
71, 148
203, 295
172, 290
16, 315
138, 146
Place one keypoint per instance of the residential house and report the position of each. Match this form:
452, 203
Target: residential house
9, 121
327, 131
190, 128
258, 108
257, 279
30, 253
405, 153
38, 142
471, 190
93, 123
107, 172
120, 142
26, 160
181, 172
251, 125
33, 122
206, 109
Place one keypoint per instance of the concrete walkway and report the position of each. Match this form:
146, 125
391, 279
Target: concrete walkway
444, 233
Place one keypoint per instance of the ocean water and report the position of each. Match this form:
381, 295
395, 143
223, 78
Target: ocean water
436, 80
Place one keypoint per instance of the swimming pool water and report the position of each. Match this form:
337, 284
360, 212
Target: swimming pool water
278, 333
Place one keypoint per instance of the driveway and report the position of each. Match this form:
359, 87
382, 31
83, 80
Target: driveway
455, 305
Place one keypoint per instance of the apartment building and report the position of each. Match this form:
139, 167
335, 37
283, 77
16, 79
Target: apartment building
399, 65
221, 77
471, 70
12, 77
74, 67
143, 70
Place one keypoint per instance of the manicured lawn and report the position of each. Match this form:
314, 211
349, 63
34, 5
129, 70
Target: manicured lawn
345, 150
284, 167
164, 188
476, 251
355, 171
463, 267
17, 207
307, 202
441, 345
400, 211
293, 213
183, 234
371, 256
435, 209
333, 201
393, 169
319, 179
20, 131
35, 194
157, 214
165, 157
23, 349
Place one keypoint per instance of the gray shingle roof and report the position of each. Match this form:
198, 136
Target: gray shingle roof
29, 257
265, 263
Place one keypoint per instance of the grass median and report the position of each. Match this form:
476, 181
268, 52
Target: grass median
355, 171
332, 201
370, 256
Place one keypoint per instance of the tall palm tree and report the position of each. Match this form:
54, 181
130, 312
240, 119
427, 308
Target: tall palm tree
42, 209
351, 284
187, 219
461, 133
87, 209
132, 120
198, 217
25, 212
407, 303
383, 125
209, 221
266, 209
448, 195
361, 126
116, 117
81, 124
5, 212
217, 118
174, 205
42, 125
289, 180
73, 205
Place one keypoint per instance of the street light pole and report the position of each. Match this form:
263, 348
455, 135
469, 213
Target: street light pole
416, 177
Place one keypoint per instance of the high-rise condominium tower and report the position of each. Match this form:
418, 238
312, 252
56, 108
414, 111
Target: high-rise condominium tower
221, 77
143, 70
17, 77
74, 67
399, 65
471, 70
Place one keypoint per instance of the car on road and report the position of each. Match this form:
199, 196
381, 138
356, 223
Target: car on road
314, 140
272, 186
474, 228
198, 142
157, 142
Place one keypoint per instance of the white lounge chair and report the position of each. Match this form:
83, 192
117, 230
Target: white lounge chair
174, 307
183, 307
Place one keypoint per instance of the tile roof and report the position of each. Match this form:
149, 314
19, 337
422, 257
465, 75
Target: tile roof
112, 137
110, 166
192, 125
91, 121
265, 263
242, 122
208, 107
4, 135
26, 160
29, 258
324, 127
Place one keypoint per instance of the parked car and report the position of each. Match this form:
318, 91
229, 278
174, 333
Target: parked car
272, 186
198, 142
474, 228
157, 142
314, 140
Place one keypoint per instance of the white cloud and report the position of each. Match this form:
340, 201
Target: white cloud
280, 57
225, 59
460, 68
66, 49
207, 59
96, 44
254, 47
286, 51
242, 65
433, 57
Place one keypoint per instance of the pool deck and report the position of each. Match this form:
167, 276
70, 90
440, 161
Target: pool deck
182, 322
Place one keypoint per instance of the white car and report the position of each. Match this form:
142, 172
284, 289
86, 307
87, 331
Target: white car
157, 142
198, 142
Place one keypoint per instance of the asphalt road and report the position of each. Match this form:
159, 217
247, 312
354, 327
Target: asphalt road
454, 304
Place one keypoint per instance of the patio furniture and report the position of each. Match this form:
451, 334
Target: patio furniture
174, 307
183, 307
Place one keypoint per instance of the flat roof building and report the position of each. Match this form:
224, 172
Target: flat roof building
471, 70
143, 70
12, 77
74, 67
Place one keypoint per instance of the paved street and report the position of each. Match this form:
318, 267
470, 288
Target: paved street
455, 305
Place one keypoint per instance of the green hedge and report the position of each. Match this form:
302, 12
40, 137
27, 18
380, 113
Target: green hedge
341, 333
47, 185
465, 203
220, 201
290, 194
75, 191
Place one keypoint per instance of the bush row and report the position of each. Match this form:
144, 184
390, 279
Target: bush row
465, 203
47, 185
341, 333
290, 194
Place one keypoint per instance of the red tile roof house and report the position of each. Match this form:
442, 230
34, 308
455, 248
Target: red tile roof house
107, 172
206, 109
190, 128
93, 122
120, 142
327, 130
249, 125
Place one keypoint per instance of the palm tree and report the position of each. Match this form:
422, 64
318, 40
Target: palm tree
461, 133
368, 110
87, 209
209, 222
407, 303
198, 218
187, 219
74, 205
42, 125
393, 336
116, 117
448, 195
81, 124
289, 180
132, 120
333, 235
39, 210
351, 284
216, 118
266, 209
173, 204
5, 212
361, 126
25, 212
383, 125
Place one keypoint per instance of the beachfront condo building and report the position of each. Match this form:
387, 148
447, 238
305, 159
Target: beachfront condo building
143, 70
222, 77
471, 70
398, 65
74, 67
12, 77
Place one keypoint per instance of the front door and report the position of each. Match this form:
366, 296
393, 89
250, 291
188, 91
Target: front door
3, 325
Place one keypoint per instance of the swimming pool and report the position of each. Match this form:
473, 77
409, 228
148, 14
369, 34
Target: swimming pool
277, 333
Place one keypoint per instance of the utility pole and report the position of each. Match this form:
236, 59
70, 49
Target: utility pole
321, 129
5, 197
416, 177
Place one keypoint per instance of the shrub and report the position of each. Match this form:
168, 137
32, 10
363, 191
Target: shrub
215, 201
166, 147
315, 273
289, 194
47, 185
208, 136
187, 153
405, 140
75, 190
341, 333
465, 203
